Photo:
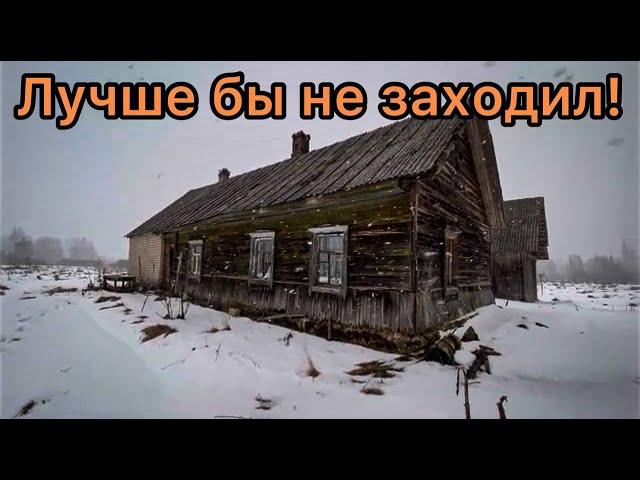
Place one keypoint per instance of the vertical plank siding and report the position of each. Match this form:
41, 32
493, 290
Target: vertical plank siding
530, 283
145, 259
508, 276
518, 246
452, 197
515, 276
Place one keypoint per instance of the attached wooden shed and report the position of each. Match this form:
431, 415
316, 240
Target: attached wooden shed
517, 248
146, 259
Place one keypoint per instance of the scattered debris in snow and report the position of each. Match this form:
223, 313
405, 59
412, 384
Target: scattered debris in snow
28, 407
154, 331
106, 298
56, 290
569, 370
470, 335
376, 368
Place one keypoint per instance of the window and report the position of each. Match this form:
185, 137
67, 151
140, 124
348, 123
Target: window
261, 263
329, 259
195, 257
450, 257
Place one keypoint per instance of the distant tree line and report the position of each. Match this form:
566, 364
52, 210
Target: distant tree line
19, 248
597, 269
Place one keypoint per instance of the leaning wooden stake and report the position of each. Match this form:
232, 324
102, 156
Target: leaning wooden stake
467, 405
501, 412
175, 285
145, 301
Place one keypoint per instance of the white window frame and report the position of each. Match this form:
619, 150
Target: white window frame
256, 238
195, 256
314, 284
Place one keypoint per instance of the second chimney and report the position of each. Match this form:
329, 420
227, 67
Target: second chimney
300, 143
223, 175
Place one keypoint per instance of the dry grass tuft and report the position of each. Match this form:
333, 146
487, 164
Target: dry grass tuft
404, 358
263, 403
107, 298
53, 291
112, 306
372, 391
154, 331
223, 328
376, 368
310, 369
28, 407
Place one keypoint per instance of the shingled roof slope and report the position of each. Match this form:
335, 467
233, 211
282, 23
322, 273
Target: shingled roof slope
404, 148
526, 228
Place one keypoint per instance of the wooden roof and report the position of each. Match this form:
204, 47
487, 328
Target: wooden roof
525, 230
405, 148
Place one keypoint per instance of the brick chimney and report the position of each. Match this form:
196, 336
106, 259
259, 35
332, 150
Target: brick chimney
300, 143
223, 175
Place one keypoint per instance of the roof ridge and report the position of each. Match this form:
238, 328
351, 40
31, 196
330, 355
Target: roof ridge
278, 162
373, 156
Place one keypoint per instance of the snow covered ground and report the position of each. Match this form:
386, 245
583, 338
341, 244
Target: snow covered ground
63, 357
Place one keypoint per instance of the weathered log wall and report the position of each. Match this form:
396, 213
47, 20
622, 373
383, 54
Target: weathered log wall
530, 278
375, 309
145, 259
515, 276
378, 263
451, 197
395, 251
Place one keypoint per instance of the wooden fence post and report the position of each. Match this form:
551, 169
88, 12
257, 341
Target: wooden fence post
175, 285
501, 412
467, 404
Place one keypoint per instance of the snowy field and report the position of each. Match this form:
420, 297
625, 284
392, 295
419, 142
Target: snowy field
63, 357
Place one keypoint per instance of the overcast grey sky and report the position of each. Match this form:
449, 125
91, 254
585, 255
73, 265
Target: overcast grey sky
102, 178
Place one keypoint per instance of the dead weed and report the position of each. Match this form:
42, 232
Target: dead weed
376, 368
153, 331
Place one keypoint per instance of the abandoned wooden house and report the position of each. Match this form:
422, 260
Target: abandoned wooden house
517, 247
387, 229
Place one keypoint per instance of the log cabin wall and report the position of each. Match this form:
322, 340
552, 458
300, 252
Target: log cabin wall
518, 246
395, 251
145, 259
508, 276
530, 278
515, 276
379, 258
451, 197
